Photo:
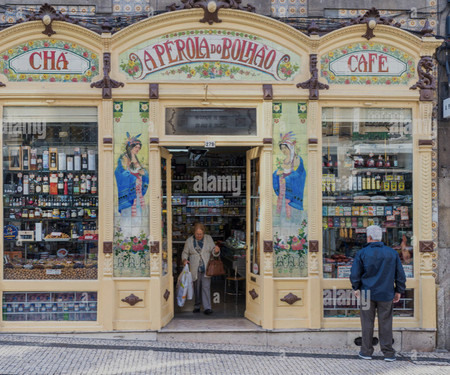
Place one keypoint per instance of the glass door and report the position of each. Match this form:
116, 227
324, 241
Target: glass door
167, 289
254, 281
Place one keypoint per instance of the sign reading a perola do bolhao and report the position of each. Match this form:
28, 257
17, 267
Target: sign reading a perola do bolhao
210, 54
366, 64
49, 60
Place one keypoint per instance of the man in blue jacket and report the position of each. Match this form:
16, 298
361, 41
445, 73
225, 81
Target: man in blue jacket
378, 275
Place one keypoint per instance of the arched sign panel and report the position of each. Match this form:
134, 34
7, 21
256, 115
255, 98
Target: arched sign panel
209, 54
367, 64
49, 60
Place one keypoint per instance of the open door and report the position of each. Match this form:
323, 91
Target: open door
254, 304
167, 287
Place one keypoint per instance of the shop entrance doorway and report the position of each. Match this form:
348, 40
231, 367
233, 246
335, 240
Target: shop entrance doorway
209, 186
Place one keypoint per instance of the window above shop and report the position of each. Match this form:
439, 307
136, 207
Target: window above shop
210, 121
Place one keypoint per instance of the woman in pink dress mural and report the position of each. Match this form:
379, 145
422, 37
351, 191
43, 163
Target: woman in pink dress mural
290, 176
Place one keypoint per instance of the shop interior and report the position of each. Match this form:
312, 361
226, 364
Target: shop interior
209, 187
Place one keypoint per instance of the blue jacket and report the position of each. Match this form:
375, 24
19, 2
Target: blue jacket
376, 268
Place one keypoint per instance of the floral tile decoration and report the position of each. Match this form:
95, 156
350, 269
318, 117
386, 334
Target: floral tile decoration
290, 198
328, 58
39, 46
130, 7
289, 8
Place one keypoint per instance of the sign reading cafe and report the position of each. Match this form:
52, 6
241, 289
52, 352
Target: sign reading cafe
210, 54
367, 63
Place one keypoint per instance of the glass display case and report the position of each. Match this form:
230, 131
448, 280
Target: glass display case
366, 180
53, 306
342, 303
50, 193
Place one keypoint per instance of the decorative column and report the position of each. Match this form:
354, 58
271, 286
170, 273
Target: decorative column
314, 214
106, 209
427, 285
266, 230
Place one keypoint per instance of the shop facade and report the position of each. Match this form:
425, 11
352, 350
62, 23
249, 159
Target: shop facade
338, 132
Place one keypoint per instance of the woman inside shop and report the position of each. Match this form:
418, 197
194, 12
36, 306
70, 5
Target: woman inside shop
197, 252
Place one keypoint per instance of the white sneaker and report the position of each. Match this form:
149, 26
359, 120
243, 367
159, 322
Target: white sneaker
390, 359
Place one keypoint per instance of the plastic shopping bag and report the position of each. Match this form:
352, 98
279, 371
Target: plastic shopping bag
185, 289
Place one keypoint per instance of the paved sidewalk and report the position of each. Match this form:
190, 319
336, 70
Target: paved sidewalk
54, 355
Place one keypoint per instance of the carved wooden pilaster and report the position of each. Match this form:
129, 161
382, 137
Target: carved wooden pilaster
266, 209
425, 222
424, 125
211, 8
313, 264
107, 83
427, 81
313, 83
155, 210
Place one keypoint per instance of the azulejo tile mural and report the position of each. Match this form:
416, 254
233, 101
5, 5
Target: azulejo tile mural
131, 244
290, 165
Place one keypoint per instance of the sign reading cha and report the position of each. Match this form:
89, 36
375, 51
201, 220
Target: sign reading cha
368, 63
49, 60
229, 49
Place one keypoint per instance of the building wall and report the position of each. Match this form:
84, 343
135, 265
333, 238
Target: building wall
412, 16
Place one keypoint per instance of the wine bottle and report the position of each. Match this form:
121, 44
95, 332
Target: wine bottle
84, 160
33, 160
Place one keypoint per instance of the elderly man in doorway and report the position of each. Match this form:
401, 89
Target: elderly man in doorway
377, 276
197, 251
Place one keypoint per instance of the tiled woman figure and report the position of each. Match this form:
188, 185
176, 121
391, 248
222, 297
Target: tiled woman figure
289, 178
132, 184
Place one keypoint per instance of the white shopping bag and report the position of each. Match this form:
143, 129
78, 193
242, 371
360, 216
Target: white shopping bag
185, 289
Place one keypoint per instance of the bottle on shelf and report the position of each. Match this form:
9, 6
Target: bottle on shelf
60, 183
33, 159
76, 185
45, 185
84, 160
387, 162
77, 159
380, 162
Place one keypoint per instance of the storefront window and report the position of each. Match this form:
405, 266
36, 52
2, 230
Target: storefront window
342, 303
41, 306
367, 180
212, 121
50, 193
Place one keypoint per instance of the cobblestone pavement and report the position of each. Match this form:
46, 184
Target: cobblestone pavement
53, 355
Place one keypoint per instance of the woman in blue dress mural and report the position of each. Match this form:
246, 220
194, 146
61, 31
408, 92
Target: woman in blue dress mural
132, 183
289, 178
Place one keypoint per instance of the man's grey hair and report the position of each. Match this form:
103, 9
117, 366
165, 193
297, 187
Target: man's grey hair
375, 232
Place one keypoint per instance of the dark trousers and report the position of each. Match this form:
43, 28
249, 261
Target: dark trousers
384, 309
